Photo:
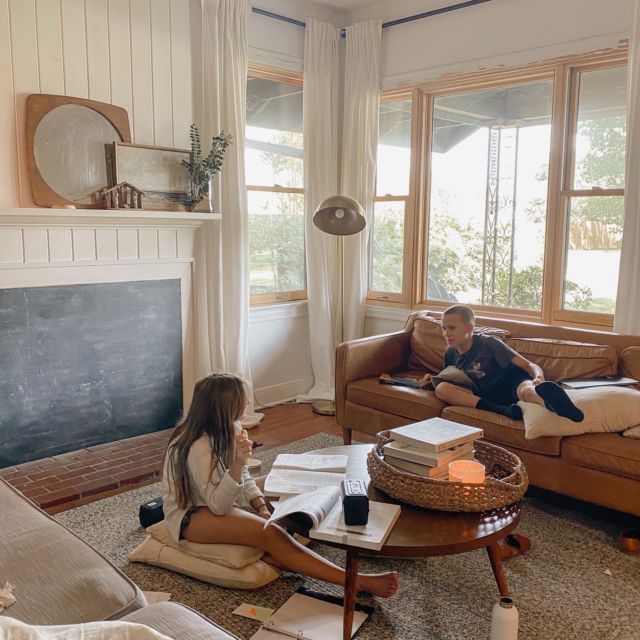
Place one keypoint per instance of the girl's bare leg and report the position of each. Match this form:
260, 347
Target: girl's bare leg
240, 527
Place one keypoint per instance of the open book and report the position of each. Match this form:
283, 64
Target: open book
291, 482
309, 616
311, 462
321, 510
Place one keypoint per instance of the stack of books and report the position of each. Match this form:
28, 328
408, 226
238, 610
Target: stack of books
426, 448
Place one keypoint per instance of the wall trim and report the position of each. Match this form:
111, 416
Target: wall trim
282, 392
387, 313
278, 312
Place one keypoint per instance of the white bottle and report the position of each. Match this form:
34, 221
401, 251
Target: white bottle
504, 621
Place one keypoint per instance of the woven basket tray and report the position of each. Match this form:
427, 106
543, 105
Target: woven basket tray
505, 482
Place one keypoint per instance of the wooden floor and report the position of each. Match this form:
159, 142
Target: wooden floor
79, 477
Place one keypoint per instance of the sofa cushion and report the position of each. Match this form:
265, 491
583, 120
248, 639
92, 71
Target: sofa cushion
502, 430
606, 409
179, 622
253, 576
428, 346
58, 578
564, 359
604, 451
417, 404
630, 363
634, 433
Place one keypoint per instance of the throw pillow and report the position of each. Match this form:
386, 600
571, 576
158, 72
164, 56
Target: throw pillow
234, 556
634, 432
606, 409
253, 576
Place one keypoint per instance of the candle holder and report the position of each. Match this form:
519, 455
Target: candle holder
468, 471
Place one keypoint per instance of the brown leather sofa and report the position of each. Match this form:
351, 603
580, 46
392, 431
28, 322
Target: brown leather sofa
602, 468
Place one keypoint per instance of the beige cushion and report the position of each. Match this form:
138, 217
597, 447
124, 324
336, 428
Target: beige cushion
253, 576
634, 432
58, 578
234, 556
606, 409
178, 621
428, 346
564, 359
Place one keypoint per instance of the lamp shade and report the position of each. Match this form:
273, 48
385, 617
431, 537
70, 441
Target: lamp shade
339, 216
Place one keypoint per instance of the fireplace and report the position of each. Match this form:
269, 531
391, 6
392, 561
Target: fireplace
96, 327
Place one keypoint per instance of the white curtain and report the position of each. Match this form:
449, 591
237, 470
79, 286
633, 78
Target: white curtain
627, 317
359, 145
320, 124
222, 268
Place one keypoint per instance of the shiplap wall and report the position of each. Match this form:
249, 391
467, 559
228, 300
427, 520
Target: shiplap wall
132, 53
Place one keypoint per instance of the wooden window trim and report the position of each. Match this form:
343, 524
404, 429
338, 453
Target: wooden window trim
296, 79
392, 298
562, 72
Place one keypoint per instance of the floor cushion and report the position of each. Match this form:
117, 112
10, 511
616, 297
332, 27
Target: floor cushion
253, 576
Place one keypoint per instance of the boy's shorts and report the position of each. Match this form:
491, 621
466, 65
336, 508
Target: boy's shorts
504, 392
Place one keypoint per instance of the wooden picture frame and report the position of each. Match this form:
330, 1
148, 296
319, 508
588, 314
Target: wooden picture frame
156, 171
40, 105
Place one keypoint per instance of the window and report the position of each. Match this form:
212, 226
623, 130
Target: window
489, 168
595, 190
274, 174
518, 196
387, 271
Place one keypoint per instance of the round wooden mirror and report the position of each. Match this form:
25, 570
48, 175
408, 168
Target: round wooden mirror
67, 143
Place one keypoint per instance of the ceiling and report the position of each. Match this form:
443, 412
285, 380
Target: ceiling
345, 4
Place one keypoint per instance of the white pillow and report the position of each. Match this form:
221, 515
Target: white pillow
606, 409
634, 432
234, 556
253, 576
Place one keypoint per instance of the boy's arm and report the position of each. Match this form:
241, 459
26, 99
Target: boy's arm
532, 369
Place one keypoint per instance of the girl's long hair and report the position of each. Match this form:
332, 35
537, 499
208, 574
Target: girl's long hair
218, 401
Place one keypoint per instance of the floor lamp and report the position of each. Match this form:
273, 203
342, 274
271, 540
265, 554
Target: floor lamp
340, 216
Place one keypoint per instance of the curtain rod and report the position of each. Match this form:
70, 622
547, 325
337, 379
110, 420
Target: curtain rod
392, 23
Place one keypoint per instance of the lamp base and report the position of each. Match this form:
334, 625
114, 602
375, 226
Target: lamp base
324, 407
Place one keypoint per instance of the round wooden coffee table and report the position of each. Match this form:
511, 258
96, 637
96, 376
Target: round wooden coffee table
420, 532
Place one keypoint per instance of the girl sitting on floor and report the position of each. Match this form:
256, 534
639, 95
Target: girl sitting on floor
205, 481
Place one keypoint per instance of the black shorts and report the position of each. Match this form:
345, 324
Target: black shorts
504, 392
186, 519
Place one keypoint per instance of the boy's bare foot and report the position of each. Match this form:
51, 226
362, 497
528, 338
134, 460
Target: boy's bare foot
383, 585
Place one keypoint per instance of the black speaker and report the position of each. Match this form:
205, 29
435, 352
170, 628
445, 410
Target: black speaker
151, 512
355, 502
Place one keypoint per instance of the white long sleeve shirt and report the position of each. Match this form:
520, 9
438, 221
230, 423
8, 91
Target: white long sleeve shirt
216, 490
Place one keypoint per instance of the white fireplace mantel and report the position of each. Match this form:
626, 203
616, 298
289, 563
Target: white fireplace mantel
41, 217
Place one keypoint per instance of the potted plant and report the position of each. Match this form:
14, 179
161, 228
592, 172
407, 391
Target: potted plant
202, 168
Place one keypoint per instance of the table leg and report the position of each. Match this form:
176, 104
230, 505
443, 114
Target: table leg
351, 574
498, 569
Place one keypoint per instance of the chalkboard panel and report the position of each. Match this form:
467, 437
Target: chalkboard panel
86, 364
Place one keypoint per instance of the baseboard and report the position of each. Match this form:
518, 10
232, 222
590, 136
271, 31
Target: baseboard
283, 392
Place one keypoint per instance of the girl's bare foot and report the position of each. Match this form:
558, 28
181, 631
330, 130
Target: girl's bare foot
384, 585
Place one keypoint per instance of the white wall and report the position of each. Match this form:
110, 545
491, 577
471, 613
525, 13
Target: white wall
495, 33
132, 53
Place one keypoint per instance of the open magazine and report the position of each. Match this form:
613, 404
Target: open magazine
321, 511
288, 482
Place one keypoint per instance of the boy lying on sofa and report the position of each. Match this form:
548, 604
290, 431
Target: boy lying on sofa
485, 373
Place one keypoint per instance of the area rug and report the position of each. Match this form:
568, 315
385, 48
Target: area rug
574, 583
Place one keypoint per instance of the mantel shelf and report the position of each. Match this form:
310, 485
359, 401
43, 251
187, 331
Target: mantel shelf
103, 217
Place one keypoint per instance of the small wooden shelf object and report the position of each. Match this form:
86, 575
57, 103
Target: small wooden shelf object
123, 195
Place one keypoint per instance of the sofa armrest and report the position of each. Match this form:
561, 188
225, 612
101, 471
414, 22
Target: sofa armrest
368, 357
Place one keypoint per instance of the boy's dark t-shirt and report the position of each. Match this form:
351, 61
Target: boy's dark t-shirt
486, 362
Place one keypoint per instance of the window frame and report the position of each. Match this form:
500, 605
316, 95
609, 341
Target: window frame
393, 298
295, 79
564, 74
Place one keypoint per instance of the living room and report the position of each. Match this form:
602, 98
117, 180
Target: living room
527, 103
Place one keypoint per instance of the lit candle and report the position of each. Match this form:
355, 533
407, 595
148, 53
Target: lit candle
468, 471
